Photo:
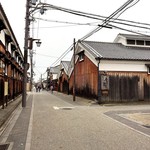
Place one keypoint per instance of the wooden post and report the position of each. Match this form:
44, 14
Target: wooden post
74, 80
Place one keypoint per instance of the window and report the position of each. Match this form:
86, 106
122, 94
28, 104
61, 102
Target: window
81, 57
6, 70
140, 42
131, 42
147, 43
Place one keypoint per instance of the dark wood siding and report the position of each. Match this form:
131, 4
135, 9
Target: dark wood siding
127, 87
63, 85
86, 78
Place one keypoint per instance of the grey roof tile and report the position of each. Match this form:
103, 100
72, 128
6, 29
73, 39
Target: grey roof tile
55, 69
65, 65
106, 50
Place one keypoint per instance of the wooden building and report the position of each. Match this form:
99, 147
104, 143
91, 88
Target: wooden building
11, 62
113, 72
63, 80
52, 77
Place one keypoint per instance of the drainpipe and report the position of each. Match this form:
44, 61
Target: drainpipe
99, 82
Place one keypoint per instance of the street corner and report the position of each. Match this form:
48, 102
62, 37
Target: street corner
138, 120
141, 118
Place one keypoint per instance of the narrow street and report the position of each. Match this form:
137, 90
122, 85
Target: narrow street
53, 123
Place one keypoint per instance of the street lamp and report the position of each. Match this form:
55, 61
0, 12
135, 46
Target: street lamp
30, 43
38, 43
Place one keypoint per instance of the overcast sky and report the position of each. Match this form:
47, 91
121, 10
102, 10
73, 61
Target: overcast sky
58, 37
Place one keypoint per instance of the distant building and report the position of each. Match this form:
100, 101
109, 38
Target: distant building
52, 77
63, 79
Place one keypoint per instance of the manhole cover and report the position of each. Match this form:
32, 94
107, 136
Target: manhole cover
66, 108
4, 147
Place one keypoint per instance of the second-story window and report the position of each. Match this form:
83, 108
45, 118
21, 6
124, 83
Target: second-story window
81, 56
147, 43
6, 69
130, 42
139, 42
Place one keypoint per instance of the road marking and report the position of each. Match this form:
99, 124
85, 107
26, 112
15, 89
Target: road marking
63, 108
55, 107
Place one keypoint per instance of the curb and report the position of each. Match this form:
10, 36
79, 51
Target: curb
7, 111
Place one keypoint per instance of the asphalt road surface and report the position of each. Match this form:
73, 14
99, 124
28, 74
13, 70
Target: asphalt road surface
60, 124
55, 122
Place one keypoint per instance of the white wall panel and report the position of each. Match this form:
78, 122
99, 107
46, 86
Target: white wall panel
123, 66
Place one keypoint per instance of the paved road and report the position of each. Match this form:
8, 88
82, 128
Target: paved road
55, 122
58, 124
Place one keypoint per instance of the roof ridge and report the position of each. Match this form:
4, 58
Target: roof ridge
105, 42
93, 50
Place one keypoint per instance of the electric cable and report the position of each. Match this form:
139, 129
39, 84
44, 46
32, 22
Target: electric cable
119, 21
128, 30
90, 24
63, 55
46, 55
65, 22
107, 20
89, 15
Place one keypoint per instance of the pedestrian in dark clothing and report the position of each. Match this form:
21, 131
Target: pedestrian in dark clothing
52, 88
39, 88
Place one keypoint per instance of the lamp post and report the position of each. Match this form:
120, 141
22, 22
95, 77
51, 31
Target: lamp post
30, 43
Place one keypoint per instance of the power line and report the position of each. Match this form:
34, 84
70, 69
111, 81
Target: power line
118, 12
99, 17
105, 22
93, 24
46, 55
129, 30
56, 26
63, 55
64, 22
90, 15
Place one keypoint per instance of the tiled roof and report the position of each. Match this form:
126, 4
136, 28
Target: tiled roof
106, 50
55, 69
65, 65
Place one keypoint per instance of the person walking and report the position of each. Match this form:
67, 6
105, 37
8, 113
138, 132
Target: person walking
52, 88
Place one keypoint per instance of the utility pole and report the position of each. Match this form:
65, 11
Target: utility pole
26, 47
41, 78
31, 76
48, 78
25, 54
74, 79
